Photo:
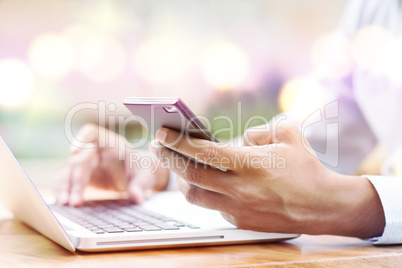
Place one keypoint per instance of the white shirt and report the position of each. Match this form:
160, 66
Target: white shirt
360, 88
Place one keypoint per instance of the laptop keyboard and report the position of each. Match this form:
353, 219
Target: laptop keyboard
118, 216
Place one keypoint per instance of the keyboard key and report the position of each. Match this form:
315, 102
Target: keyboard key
125, 225
165, 226
133, 229
117, 216
113, 230
108, 225
149, 227
98, 231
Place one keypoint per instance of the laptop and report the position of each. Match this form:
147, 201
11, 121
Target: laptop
165, 220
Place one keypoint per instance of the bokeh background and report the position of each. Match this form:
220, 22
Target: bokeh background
213, 54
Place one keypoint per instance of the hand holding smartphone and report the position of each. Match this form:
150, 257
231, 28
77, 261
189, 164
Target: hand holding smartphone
172, 113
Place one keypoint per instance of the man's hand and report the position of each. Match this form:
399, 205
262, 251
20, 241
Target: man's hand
275, 184
105, 166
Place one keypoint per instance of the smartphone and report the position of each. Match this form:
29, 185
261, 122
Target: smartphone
172, 113
168, 112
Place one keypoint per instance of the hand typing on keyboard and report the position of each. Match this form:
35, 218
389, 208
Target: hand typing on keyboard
100, 159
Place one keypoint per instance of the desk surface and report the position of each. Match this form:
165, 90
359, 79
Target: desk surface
22, 246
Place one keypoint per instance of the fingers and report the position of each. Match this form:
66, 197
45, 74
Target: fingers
211, 200
79, 180
136, 193
204, 198
204, 151
141, 186
91, 136
62, 186
98, 159
87, 137
195, 173
72, 178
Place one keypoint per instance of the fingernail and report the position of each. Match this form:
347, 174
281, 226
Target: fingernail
62, 198
154, 146
161, 135
136, 195
75, 200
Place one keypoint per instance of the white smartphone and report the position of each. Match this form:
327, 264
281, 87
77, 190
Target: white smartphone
172, 113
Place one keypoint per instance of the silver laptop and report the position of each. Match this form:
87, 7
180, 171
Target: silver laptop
165, 220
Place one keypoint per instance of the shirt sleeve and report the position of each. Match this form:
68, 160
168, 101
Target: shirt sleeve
389, 190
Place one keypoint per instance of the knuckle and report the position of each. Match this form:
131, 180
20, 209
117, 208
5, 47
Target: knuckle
245, 195
176, 145
248, 137
256, 135
287, 128
287, 132
210, 153
88, 130
191, 195
255, 129
192, 175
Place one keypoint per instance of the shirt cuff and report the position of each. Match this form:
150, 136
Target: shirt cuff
389, 189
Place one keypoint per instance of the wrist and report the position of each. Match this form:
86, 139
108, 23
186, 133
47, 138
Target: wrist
357, 210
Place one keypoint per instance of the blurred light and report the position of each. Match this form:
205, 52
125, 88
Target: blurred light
16, 83
161, 60
301, 97
392, 61
289, 92
226, 66
255, 40
78, 34
331, 55
51, 55
107, 16
397, 168
102, 59
369, 46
